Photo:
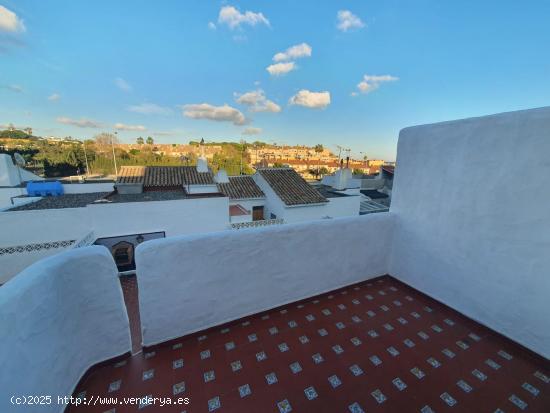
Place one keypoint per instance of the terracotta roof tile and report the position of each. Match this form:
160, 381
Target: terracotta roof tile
291, 187
164, 176
241, 187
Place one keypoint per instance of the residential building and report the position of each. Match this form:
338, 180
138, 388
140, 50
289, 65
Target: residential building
305, 317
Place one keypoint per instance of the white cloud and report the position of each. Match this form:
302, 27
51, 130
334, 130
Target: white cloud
278, 69
150, 109
314, 100
294, 52
10, 22
233, 18
81, 123
122, 84
347, 20
252, 131
54, 97
13, 88
122, 126
257, 102
211, 26
223, 113
373, 82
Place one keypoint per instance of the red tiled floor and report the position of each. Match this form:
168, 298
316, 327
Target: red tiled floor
130, 292
368, 321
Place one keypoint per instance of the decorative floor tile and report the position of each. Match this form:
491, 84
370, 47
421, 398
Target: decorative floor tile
531, 389
148, 375
356, 370
310, 393
273, 330
244, 390
178, 388
447, 398
340, 325
355, 408
518, 402
317, 358
214, 404
209, 376
375, 360
433, 362
379, 396
236, 365
284, 406
299, 374
400, 384
464, 386
271, 378
177, 364
295, 367
334, 381
114, 386
337, 349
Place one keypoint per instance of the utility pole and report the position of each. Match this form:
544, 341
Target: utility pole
114, 156
86, 158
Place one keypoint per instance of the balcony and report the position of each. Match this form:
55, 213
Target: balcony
304, 317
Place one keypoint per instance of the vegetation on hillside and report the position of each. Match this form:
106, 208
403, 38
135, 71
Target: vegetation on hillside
95, 156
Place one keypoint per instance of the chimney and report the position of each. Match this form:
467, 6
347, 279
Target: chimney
202, 165
221, 177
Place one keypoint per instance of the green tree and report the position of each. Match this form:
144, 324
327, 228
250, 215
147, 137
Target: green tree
139, 141
318, 150
150, 140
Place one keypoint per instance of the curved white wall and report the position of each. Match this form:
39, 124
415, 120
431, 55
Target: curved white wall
190, 283
472, 205
58, 318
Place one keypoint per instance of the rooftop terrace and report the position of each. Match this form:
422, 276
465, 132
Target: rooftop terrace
462, 320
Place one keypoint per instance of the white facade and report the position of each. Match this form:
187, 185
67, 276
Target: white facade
335, 208
177, 217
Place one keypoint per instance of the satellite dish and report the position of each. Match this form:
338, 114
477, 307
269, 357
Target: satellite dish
19, 160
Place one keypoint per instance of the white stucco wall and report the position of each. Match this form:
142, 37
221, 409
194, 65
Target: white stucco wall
188, 216
193, 282
57, 319
463, 235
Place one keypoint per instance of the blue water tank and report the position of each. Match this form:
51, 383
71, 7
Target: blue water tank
44, 188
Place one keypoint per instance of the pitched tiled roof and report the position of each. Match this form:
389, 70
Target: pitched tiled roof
131, 175
164, 176
241, 187
291, 187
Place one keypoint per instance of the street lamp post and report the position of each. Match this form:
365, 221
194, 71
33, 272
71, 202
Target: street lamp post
114, 156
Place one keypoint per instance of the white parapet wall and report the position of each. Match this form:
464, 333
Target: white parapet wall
58, 318
190, 283
472, 205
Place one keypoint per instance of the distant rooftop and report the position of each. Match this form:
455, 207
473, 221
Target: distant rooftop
329, 192
62, 201
374, 194
241, 187
291, 187
164, 176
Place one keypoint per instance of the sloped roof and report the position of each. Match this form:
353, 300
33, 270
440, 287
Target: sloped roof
164, 176
241, 187
291, 187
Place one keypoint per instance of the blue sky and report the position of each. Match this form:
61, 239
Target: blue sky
362, 70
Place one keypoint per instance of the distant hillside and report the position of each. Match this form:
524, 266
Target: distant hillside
16, 134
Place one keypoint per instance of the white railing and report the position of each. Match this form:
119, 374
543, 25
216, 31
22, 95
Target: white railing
256, 224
